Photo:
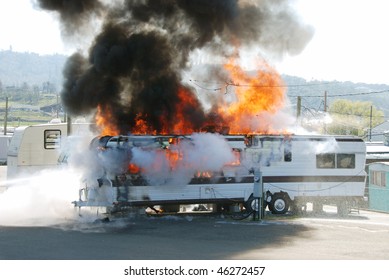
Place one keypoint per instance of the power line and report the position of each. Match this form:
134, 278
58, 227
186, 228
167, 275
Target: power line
314, 111
226, 84
281, 86
345, 94
204, 88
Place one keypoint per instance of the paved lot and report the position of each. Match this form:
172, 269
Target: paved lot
325, 237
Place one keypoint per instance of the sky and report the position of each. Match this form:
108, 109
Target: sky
350, 42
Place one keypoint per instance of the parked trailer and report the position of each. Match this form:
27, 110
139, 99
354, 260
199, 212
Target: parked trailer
4, 144
295, 169
37, 147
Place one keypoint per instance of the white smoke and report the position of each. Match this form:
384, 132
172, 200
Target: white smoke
154, 165
207, 152
328, 146
44, 198
204, 152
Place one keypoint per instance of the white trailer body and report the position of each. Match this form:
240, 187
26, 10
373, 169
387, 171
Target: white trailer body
34, 148
295, 169
4, 144
37, 147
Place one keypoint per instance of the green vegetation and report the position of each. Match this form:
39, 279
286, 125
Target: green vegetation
29, 105
353, 117
334, 107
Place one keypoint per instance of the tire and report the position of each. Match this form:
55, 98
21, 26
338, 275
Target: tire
279, 203
251, 204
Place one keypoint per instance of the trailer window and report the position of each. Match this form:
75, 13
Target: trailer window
288, 150
325, 160
52, 139
345, 160
378, 178
331, 160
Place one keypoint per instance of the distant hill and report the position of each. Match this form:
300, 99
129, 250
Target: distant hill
31, 68
312, 92
18, 68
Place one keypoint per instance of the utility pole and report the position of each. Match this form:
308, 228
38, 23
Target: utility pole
6, 116
325, 101
69, 125
371, 121
298, 110
325, 109
57, 106
298, 114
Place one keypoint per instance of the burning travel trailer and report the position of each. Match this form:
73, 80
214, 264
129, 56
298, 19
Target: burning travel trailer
223, 170
139, 79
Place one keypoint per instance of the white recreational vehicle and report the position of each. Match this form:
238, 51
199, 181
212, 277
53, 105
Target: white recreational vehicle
37, 147
4, 144
290, 171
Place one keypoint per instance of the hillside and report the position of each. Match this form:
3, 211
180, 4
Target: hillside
20, 69
31, 68
313, 92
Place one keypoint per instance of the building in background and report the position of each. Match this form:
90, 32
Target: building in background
379, 186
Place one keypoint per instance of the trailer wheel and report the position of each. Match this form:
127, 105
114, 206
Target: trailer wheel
279, 203
251, 204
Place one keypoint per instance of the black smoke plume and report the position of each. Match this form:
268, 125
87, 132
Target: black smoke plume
134, 66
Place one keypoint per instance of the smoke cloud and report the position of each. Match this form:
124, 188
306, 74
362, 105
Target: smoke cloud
204, 152
134, 66
74, 14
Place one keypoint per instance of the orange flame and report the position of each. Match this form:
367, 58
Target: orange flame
173, 157
203, 174
263, 93
249, 104
249, 100
183, 126
102, 121
133, 168
141, 126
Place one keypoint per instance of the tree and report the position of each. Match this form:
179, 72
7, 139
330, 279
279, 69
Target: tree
353, 117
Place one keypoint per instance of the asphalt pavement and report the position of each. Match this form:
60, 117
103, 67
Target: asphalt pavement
203, 237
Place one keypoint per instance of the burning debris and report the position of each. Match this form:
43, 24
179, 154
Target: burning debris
133, 79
